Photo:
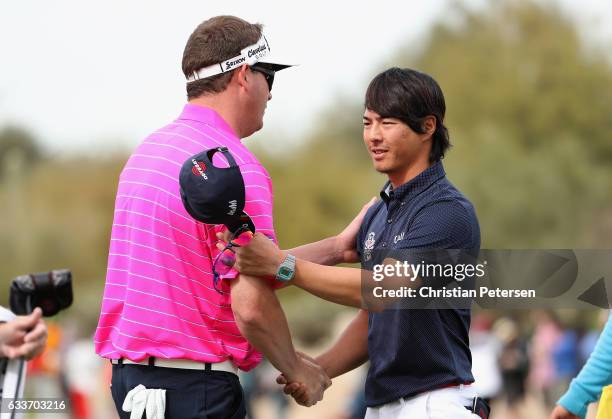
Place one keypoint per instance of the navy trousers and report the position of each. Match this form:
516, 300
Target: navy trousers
189, 393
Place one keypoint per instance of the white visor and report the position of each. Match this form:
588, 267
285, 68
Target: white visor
250, 55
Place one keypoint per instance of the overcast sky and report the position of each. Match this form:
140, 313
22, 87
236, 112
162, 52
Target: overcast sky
93, 75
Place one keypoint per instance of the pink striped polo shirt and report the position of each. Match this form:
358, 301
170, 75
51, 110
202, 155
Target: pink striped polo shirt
159, 298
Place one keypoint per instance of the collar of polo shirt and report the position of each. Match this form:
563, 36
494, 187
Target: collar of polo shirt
249, 55
414, 186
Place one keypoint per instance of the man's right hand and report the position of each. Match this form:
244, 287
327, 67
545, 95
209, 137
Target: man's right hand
561, 412
308, 384
261, 257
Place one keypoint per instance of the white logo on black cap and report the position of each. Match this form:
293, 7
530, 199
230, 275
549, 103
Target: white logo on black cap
233, 205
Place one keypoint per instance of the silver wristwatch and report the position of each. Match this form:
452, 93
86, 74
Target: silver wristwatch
286, 270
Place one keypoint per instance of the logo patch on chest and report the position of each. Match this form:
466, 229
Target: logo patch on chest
398, 238
368, 245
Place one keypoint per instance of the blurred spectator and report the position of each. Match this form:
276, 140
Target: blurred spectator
486, 350
83, 388
356, 407
46, 377
546, 336
250, 388
587, 345
513, 362
261, 383
565, 360
271, 390
49, 360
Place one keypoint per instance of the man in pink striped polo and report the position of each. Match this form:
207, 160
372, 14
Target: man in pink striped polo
175, 342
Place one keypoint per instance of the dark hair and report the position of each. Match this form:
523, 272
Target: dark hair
213, 41
410, 96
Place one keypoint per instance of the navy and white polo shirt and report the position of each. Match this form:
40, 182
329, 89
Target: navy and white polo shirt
416, 350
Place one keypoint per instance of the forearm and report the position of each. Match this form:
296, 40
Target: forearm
595, 374
335, 284
262, 322
323, 252
350, 350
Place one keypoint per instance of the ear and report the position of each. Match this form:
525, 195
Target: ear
429, 126
240, 77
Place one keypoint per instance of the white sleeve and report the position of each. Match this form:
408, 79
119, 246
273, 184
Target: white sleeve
6, 315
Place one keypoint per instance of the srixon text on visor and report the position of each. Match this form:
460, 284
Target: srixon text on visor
240, 60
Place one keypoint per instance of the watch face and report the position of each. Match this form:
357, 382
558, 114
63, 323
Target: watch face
284, 271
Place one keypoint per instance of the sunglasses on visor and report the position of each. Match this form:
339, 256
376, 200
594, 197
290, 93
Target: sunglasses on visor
268, 74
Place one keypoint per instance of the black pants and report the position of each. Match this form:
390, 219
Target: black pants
189, 393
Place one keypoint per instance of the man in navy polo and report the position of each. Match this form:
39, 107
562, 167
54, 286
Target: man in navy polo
420, 361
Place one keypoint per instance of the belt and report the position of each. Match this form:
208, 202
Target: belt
185, 364
454, 384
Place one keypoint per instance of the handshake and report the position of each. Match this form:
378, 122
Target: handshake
307, 383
